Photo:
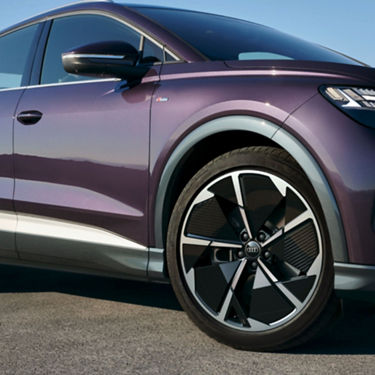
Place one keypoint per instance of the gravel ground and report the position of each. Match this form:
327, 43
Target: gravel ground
61, 323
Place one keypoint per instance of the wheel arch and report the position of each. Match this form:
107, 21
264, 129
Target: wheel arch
261, 132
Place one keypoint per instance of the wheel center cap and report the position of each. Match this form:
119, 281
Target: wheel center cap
252, 249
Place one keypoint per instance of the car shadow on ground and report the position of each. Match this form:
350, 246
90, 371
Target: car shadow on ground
29, 280
352, 333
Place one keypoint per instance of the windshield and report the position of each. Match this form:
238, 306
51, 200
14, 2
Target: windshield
223, 38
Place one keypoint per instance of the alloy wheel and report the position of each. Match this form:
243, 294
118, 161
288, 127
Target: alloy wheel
250, 250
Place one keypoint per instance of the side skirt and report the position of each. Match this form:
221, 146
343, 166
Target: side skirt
57, 244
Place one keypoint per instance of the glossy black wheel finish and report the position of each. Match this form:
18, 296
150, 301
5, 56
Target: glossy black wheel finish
248, 254
250, 250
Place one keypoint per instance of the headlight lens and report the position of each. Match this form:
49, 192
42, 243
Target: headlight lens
357, 102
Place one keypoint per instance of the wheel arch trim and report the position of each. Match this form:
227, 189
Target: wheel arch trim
281, 137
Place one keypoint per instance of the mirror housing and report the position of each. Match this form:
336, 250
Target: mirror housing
112, 59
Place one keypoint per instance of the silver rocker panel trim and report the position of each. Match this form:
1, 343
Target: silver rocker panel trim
354, 277
54, 241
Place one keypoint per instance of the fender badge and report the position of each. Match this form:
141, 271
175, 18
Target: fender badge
161, 99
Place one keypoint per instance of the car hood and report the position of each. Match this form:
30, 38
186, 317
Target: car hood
358, 72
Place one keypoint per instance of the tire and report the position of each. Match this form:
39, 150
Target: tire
248, 253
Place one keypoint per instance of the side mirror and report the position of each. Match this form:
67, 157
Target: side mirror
106, 59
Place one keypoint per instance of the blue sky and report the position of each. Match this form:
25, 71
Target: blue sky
343, 25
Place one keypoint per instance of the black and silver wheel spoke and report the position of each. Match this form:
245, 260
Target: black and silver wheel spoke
303, 217
250, 250
228, 300
239, 200
261, 197
204, 241
225, 220
202, 251
282, 289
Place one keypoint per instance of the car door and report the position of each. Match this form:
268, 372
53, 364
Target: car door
81, 159
15, 51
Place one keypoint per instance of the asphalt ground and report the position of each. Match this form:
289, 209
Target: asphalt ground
61, 323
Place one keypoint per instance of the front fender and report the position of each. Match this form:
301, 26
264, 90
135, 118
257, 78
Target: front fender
285, 140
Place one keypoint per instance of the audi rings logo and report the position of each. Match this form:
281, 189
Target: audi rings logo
252, 249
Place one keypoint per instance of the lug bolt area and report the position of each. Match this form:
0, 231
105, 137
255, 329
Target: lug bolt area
254, 265
244, 237
241, 254
262, 237
267, 254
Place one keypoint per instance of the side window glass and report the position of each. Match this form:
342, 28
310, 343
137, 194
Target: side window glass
151, 53
74, 31
14, 52
169, 58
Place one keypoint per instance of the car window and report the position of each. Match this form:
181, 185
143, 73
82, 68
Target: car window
169, 58
73, 31
14, 52
223, 38
151, 52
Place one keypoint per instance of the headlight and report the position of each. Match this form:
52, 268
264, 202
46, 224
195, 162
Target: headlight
356, 102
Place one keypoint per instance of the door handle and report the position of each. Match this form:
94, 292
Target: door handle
29, 117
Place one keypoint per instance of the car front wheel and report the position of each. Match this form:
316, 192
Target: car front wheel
248, 252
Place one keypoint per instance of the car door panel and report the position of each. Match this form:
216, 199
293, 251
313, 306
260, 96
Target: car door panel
85, 161
81, 168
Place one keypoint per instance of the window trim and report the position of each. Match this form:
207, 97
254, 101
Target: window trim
26, 76
39, 55
159, 43
61, 84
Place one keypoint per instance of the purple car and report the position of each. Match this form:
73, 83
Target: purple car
160, 144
